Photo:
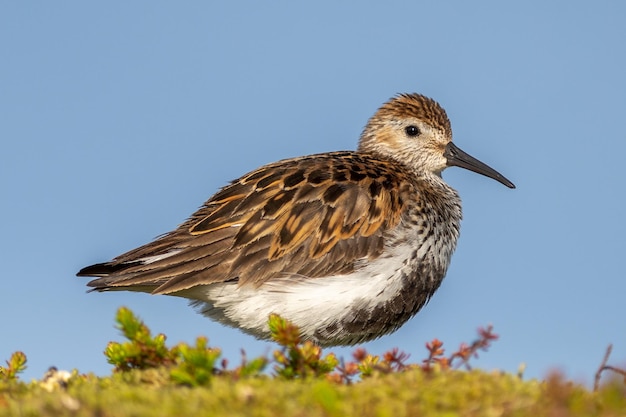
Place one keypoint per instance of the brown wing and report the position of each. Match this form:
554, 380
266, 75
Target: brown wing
313, 216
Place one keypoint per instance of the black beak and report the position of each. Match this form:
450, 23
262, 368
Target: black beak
457, 157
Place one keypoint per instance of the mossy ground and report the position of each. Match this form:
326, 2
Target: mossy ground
150, 379
410, 393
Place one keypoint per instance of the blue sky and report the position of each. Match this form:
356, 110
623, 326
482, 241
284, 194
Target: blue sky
118, 120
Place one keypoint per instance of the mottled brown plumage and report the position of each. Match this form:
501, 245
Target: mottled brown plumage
374, 227
303, 216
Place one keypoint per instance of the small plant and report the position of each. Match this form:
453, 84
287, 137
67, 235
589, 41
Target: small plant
366, 365
186, 365
462, 356
194, 365
142, 351
15, 365
296, 359
247, 368
604, 367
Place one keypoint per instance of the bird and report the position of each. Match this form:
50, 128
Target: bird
346, 245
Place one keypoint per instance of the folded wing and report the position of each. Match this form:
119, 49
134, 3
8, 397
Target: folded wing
314, 216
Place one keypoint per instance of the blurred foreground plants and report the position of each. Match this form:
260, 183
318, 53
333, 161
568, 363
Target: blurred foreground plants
302, 381
296, 359
187, 365
15, 365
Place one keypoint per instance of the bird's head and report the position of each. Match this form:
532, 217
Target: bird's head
415, 131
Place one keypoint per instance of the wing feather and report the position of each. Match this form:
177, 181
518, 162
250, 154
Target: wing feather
314, 216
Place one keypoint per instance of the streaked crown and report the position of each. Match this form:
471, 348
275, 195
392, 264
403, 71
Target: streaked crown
411, 129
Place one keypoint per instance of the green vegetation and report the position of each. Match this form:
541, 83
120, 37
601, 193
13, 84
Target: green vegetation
151, 379
15, 365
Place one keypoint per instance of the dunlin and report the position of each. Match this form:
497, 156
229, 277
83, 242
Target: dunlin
346, 245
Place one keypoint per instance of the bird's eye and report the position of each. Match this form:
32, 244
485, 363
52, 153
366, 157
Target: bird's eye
412, 131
